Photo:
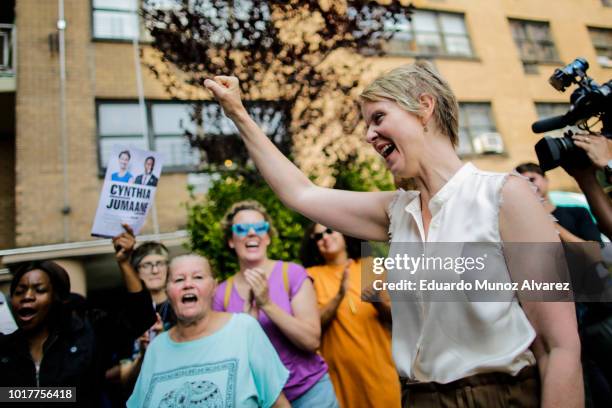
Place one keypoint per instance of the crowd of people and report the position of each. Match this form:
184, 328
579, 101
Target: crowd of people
279, 334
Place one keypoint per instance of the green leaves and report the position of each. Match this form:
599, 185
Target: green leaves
205, 213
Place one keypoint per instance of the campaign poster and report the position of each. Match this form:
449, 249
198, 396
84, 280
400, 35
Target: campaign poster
7, 322
128, 192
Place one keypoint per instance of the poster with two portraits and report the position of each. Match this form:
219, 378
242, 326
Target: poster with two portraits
132, 176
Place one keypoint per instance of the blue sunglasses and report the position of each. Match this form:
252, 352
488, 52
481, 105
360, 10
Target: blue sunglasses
242, 230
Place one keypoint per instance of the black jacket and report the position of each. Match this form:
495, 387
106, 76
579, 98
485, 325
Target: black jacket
151, 182
77, 352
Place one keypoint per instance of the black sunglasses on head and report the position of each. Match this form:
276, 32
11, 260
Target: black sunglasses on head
317, 236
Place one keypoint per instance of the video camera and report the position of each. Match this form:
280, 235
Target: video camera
589, 100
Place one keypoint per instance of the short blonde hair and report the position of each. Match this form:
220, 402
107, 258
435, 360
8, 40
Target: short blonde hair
404, 86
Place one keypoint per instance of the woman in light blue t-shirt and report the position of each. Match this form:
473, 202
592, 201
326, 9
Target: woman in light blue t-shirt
209, 358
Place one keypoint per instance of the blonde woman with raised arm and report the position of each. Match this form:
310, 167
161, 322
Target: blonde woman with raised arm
492, 354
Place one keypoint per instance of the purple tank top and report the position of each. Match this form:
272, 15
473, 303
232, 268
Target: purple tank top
305, 368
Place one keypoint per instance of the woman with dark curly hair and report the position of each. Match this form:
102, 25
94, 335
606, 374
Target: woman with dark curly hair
356, 342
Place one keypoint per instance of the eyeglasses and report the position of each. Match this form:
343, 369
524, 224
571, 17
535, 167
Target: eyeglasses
317, 236
242, 230
148, 266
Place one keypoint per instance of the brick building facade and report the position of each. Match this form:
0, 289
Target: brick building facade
496, 54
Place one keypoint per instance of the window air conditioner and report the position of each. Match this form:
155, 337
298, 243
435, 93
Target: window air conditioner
489, 142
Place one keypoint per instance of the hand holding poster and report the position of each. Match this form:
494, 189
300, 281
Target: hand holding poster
129, 190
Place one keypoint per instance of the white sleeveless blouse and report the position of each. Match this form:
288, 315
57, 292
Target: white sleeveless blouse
445, 341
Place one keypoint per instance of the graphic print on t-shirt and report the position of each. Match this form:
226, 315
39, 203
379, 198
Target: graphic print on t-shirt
194, 394
209, 385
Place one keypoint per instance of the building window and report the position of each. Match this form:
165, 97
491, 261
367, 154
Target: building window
229, 21
167, 123
430, 33
118, 123
115, 19
7, 48
602, 41
221, 143
477, 131
533, 41
226, 21
547, 110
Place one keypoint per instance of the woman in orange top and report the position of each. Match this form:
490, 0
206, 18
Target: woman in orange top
356, 342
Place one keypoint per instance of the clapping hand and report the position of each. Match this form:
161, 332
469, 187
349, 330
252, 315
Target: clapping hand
344, 283
249, 307
257, 280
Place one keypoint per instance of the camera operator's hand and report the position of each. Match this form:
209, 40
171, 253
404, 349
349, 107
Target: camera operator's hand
599, 151
597, 147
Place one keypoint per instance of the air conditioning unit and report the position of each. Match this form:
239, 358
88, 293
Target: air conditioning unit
489, 142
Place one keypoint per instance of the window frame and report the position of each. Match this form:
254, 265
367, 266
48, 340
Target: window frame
143, 34
596, 47
550, 40
150, 139
152, 136
141, 38
492, 123
285, 144
438, 31
102, 166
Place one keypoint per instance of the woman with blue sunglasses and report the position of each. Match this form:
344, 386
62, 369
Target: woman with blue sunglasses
282, 298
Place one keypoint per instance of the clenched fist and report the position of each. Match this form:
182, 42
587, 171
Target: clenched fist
227, 93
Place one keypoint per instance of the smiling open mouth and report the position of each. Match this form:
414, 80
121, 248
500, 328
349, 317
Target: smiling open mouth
189, 298
387, 150
26, 312
252, 244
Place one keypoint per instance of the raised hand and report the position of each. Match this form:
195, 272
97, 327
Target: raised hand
145, 339
226, 91
124, 244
